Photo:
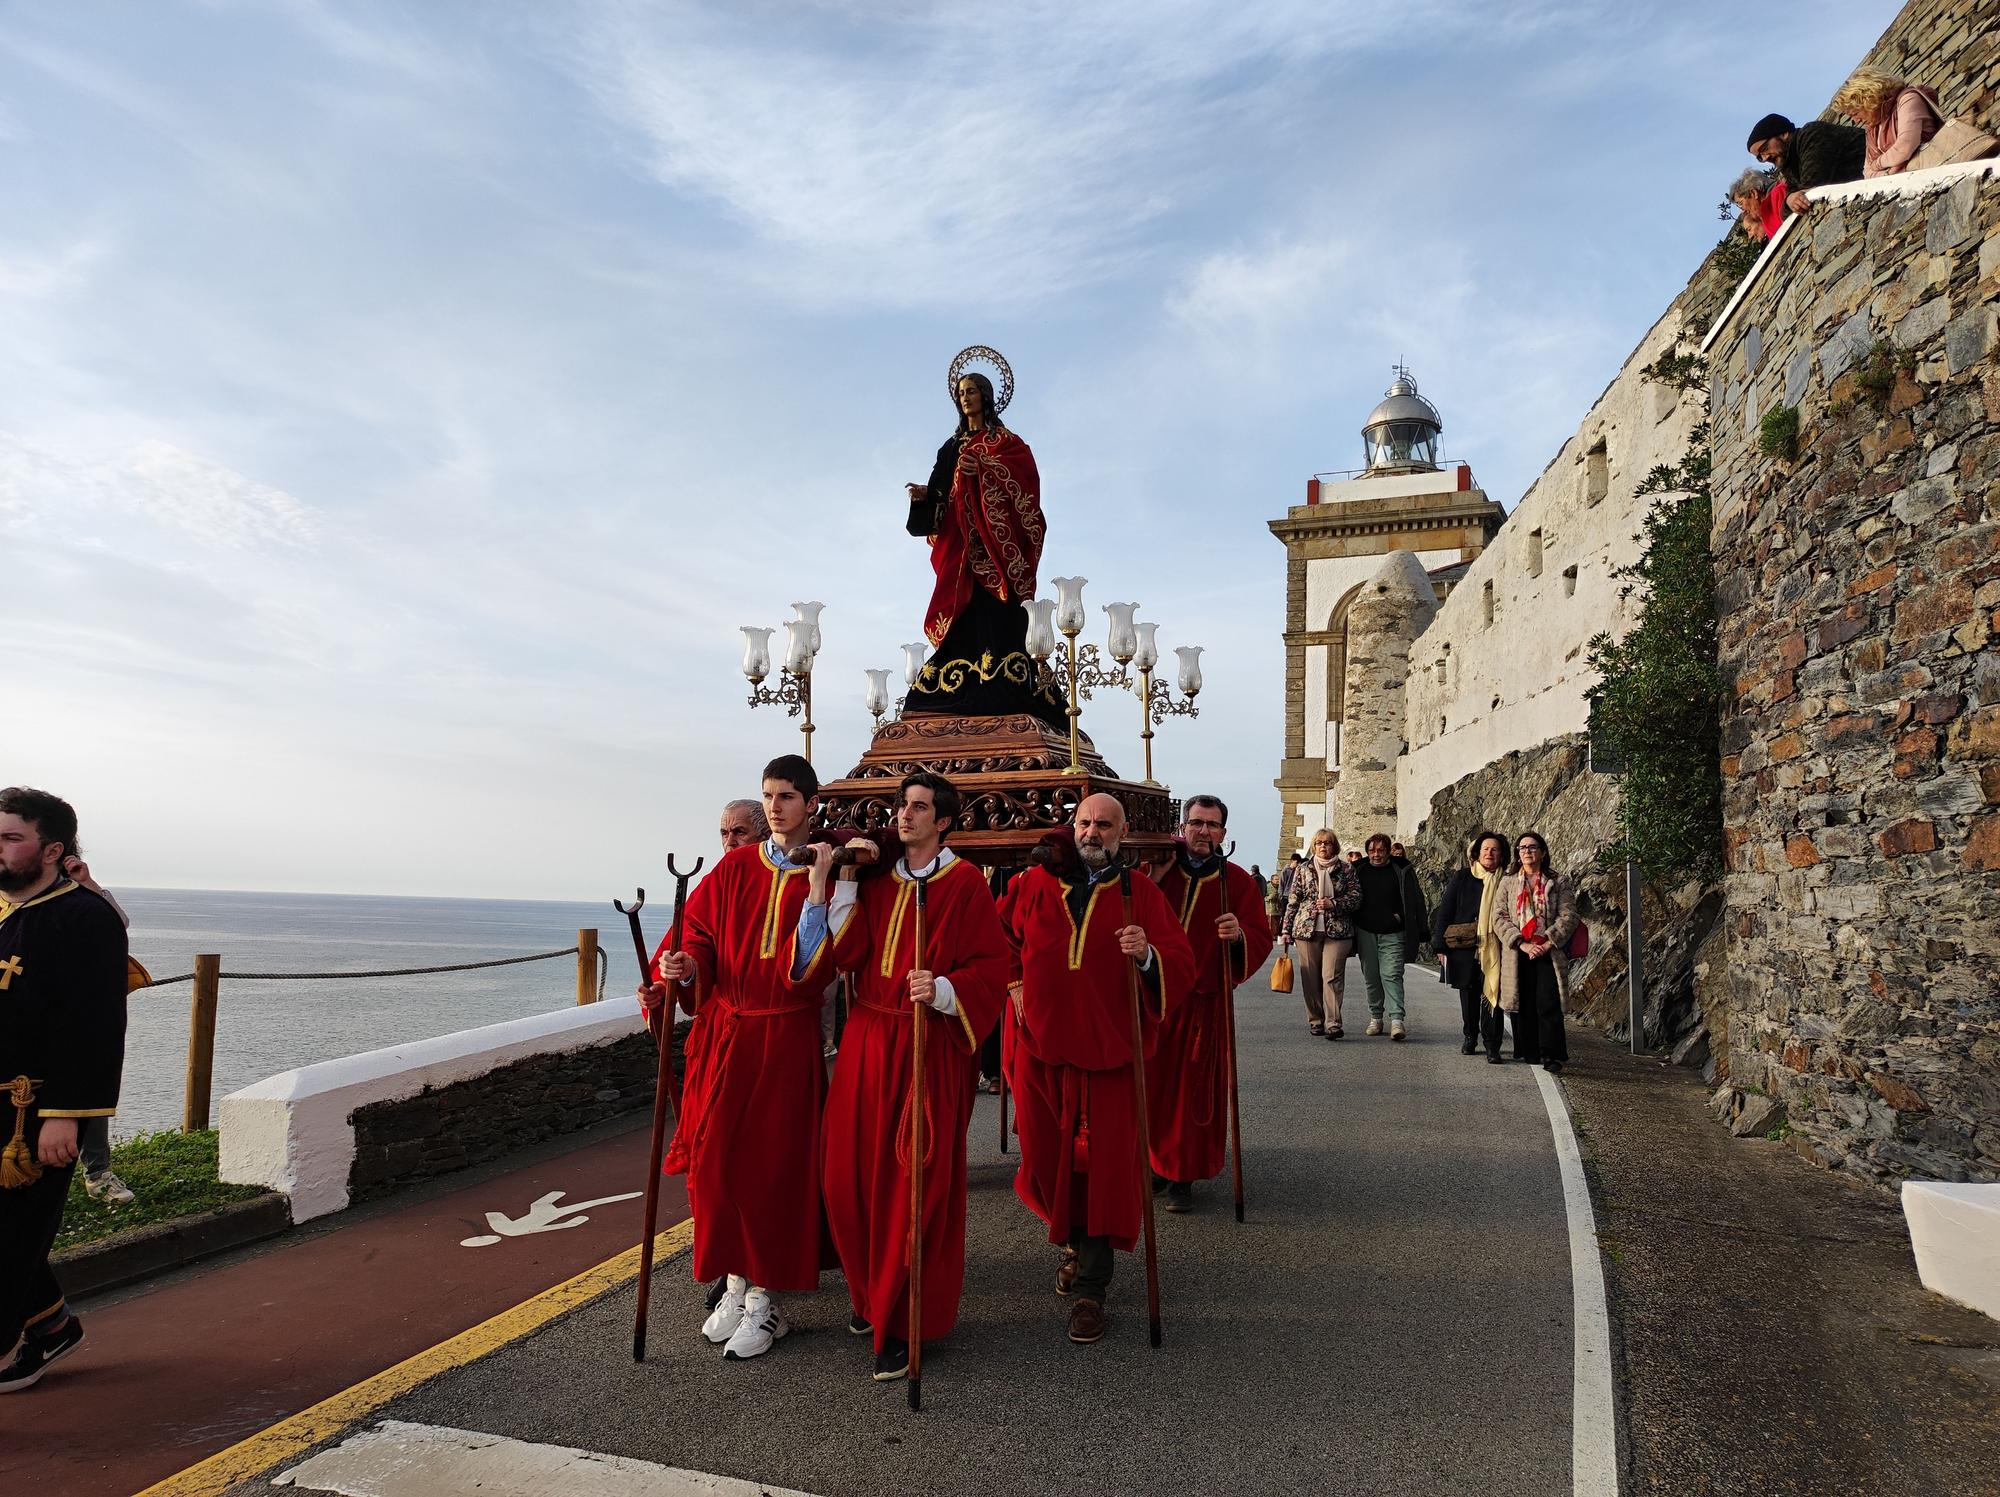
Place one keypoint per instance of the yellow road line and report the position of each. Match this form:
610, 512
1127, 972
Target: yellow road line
294, 1436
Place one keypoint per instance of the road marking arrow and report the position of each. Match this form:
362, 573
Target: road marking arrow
544, 1216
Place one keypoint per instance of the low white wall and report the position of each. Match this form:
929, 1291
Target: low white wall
294, 1132
1955, 1235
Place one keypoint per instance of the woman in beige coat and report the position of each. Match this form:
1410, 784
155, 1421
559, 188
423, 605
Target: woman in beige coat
1535, 916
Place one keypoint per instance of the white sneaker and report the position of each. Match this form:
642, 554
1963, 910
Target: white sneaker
1374, 1026
728, 1312
762, 1325
1396, 1029
108, 1188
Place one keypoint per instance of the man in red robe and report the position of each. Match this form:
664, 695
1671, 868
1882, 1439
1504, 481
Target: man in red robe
1082, 1168
753, 963
865, 1163
1187, 1081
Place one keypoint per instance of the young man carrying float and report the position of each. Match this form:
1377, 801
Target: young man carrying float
866, 1154
751, 969
1071, 1063
1187, 1081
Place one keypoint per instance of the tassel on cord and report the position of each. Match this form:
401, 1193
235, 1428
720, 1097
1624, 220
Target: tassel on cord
18, 1166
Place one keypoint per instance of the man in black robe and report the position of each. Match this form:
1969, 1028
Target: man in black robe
62, 1053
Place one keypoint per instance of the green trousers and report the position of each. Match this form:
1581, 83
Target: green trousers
1382, 971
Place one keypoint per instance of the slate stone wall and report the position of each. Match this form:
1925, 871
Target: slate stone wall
1859, 593
488, 1116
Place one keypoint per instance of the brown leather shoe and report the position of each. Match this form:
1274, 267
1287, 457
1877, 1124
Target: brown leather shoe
1066, 1275
1087, 1321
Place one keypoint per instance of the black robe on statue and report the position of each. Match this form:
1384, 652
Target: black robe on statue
981, 669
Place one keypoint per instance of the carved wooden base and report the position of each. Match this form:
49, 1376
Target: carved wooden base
1013, 772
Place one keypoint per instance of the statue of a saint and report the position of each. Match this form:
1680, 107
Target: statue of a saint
982, 514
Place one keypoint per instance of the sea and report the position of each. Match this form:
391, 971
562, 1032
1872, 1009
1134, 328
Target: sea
263, 1028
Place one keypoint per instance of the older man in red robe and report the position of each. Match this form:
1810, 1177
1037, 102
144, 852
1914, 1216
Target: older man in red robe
1187, 1081
960, 975
1082, 1166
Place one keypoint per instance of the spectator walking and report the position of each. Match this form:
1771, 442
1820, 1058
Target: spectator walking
1317, 918
1467, 949
1534, 919
1760, 200
1815, 154
1389, 926
1263, 884
1896, 118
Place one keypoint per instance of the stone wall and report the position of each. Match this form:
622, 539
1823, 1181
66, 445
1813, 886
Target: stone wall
1859, 594
1389, 610
484, 1117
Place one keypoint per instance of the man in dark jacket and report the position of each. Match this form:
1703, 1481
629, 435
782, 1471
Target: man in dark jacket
1389, 929
1810, 155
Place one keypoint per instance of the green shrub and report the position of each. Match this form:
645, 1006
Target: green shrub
1778, 433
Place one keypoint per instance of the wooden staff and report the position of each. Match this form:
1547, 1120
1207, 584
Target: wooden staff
1139, 1115
1003, 1081
919, 1018
1229, 1028
662, 1088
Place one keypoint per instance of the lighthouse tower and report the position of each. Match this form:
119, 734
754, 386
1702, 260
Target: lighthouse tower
1404, 498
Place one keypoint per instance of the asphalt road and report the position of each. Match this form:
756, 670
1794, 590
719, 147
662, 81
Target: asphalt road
1393, 1318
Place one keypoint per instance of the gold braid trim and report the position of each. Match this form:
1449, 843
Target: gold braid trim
18, 1167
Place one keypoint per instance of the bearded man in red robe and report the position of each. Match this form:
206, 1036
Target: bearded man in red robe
753, 964
1071, 1058
962, 978
982, 513
1187, 1080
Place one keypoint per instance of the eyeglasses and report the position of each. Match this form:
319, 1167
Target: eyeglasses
1207, 826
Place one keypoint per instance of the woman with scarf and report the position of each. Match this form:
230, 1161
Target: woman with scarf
1534, 916
1462, 936
1325, 893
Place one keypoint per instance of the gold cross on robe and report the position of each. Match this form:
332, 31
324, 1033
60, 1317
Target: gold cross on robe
9, 970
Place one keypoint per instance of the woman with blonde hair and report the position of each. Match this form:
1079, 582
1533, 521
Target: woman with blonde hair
1534, 916
1325, 893
1899, 117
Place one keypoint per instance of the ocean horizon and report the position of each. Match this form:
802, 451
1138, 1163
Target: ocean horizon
265, 1027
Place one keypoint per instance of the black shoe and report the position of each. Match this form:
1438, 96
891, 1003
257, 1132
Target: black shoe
1180, 1196
37, 1354
1470, 1047
1160, 1183
716, 1290
892, 1362
1335, 1032
856, 1326
1553, 1067
1493, 1058
1527, 1060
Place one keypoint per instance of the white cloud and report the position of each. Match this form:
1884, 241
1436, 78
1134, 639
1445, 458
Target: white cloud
153, 481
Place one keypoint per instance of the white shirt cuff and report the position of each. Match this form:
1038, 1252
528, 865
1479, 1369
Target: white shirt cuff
946, 1001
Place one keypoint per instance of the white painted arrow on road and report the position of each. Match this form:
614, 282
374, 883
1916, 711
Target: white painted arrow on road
544, 1216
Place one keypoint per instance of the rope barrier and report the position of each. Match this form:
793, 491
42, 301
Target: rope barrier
603, 970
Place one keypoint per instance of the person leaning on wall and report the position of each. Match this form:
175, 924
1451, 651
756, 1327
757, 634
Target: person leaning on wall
1896, 117
1815, 154
1759, 197
1535, 916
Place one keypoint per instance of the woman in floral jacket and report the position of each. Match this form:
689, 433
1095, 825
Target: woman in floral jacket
1324, 893
1535, 916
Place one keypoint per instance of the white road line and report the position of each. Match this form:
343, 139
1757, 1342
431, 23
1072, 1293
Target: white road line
396, 1459
1593, 1422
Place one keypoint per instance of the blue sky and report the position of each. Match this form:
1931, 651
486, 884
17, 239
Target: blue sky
401, 406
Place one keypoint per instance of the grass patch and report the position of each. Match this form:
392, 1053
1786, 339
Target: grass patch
172, 1175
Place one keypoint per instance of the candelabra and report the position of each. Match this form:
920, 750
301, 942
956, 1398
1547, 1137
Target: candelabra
1157, 701
794, 689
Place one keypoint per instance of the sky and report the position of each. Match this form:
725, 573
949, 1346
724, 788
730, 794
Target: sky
402, 406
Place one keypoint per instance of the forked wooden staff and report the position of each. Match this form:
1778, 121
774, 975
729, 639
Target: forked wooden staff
1229, 1028
919, 1020
1139, 1115
662, 1086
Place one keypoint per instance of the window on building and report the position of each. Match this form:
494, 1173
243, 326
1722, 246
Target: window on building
1596, 473
1486, 600
1569, 582
1534, 553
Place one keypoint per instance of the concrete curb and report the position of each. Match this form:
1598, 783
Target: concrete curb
158, 1246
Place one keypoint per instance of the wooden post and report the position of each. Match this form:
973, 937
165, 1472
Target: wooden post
201, 1044
586, 966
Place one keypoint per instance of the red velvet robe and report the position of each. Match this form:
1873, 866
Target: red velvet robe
866, 1136
1071, 1056
991, 533
1187, 1081
748, 1135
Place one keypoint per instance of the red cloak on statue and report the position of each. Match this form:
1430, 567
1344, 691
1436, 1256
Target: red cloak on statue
990, 534
1187, 1079
748, 1133
1070, 1060
865, 1161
